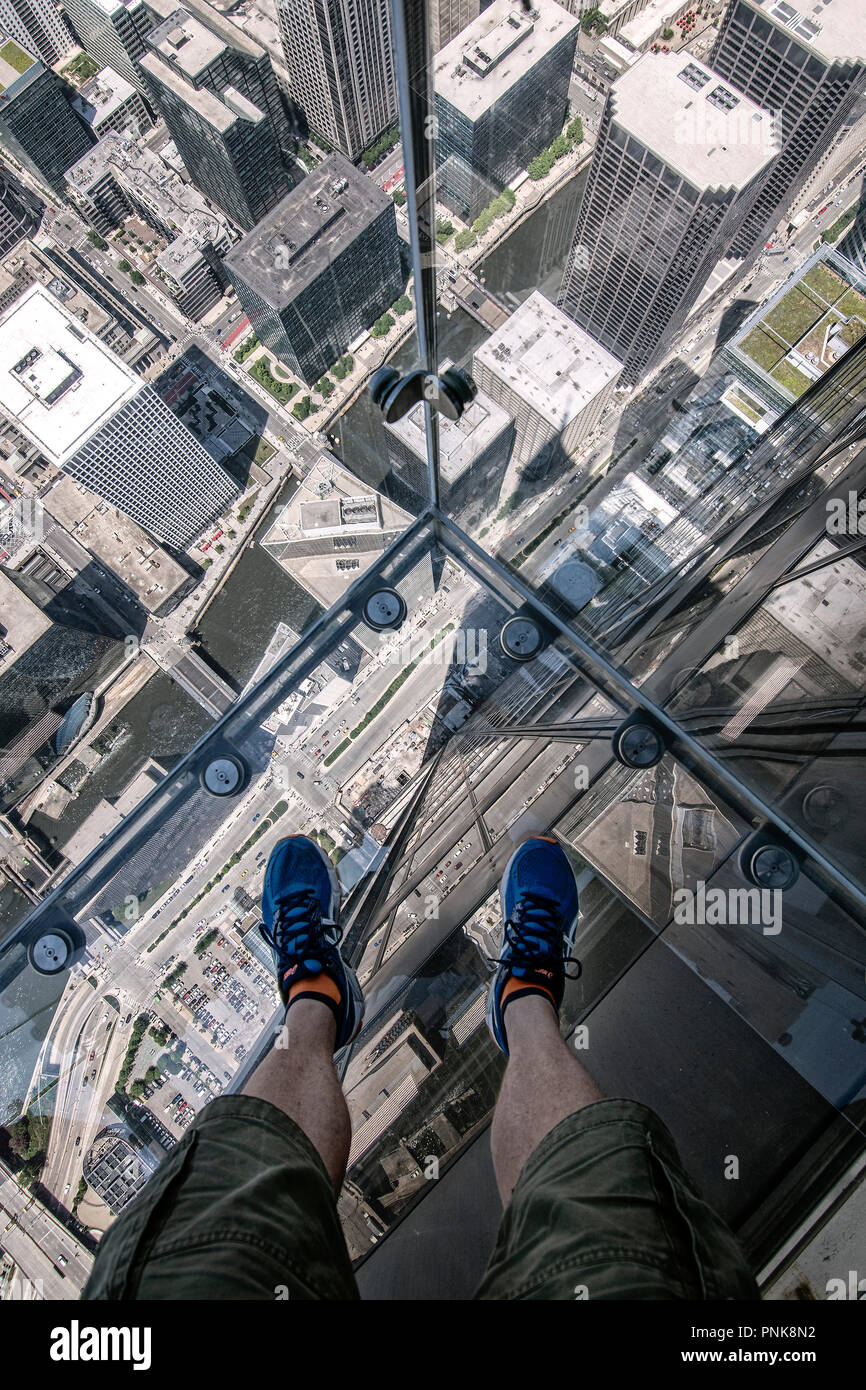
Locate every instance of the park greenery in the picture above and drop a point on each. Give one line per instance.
(343, 366)
(281, 391)
(444, 229)
(124, 266)
(302, 408)
(325, 387)
(594, 22)
(246, 507)
(497, 208)
(541, 165)
(28, 1140)
(834, 232)
(401, 305)
(138, 1030)
(399, 197)
(96, 240)
(82, 68)
(382, 326)
(246, 349)
(206, 941)
(385, 143)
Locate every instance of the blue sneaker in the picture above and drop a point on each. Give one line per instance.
(300, 907)
(539, 913)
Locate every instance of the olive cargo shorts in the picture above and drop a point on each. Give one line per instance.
(242, 1208)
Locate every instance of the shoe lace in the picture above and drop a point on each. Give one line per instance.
(528, 931)
(298, 925)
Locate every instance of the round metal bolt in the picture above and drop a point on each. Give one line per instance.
(774, 867)
(384, 609)
(521, 638)
(50, 953)
(223, 775)
(639, 746)
(825, 807)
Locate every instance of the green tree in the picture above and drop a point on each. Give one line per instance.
(124, 266)
(382, 326)
(302, 408)
(574, 130)
(399, 197)
(403, 303)
(668, 34)
(96, 240)
(465, 239)
(136, 277)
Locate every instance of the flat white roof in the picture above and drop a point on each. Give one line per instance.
(57, 380)
(496, 50)
(834, 29)
(461, 441)
(702, 127)
(548, 361)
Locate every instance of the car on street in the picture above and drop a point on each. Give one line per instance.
(257, 816)
(301, 775)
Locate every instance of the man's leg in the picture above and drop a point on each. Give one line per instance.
(544, 1082)
(598, 1205)
(244, 1206)
(301, 1081)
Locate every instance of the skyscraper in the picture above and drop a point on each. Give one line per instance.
(320, 268)
(92, 417)
(474, 453)
(20, 211)
(38, 26)
(113, 32)
(212, 54)
(448, 17)
(228, 144)
(339, 59)
(807, 63)
(676, 167)
(505, 65)
(37, 124)
(551, 377)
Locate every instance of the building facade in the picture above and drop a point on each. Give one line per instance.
(93, 418)
(807, 64)
(339, 58)
(486, 80)
(320, 268)
(20, 212)
(677, 165)
(227, 144)
(113, 32)
(38, 126)
(38, 26)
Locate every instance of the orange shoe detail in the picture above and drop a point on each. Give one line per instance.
(513, 985)
(317, 984)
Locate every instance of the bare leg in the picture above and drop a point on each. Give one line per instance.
(543, 1083)
(300, 1080)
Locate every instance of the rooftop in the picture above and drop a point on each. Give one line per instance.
(308, 230)
(209, 107)
(546, 359)
(102, 96)
(460, 441)
(679, 109)
(812, 321)
(185, 42)
(208, 17)
(116, 540)
(14, 63)
(644, 26)
(497, 50)
(833, 29)
(21, 620)
(177, 203)
(57, 380)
